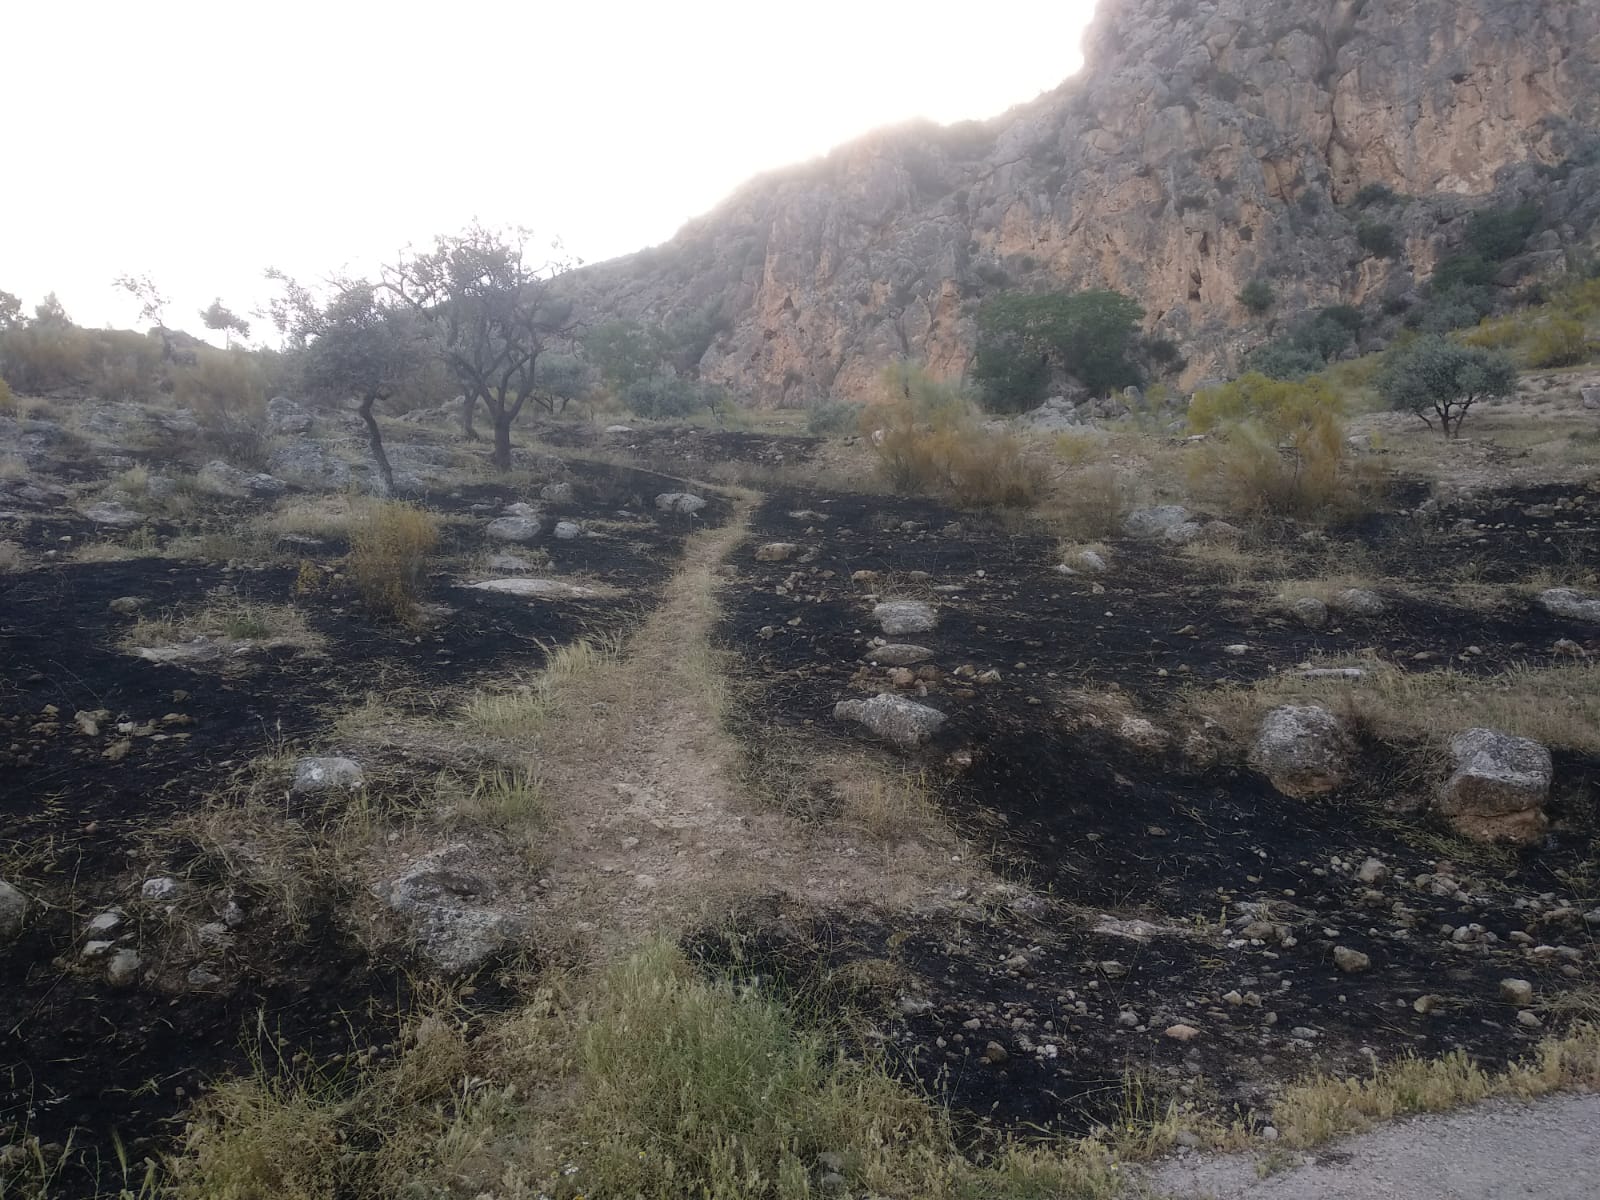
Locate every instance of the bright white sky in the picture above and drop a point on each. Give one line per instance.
(202, 142)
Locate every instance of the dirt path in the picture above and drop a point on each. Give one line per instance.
(655, 830)
(1547, 1150)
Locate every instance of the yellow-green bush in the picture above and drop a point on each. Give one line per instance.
(8, 402)
(1559, 342)
(927, 440)
(1275, 445)
(390, 545)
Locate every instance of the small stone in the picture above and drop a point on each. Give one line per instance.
(1181, 1032)
(1529, 1019)
(96, 948)
(1128, 1019)
(104, 923)
(1425, 1004)
(126, 605)
(326, 774)
(1350, 961)
(1360, 602)
(13, 909)
(899, 617)
(161, 887)
(776, 552)
(898, 654)
(1516, 991)
(513, 529)
(894, 718)
(679, 502)
(1372, 871)
(123, 968)
(1310, 612)
(567, 531)
(994, 1052)
(1233, 998)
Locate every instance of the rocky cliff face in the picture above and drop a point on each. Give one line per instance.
(1206, 143)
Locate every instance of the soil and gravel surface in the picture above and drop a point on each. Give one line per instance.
(1492, 1152)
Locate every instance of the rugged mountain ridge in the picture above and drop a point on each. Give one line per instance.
(1203, 145)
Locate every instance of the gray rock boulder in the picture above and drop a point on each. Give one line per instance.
(13, 910)
(1055, 415)
(122, 968)
(680, 502)
(899, 617)
(1158, 522)
(285, 417)
(895, 719)
(310, 465)
(113, 515)
(568, 531)
(514, 529)
(898, 654)
(1303, 749)
(225, 479)
(1083, 562)
(446, 898)
(1590, 398)
(1498, 788)
(327, 774)
(557, 493)
(1359, 602)
(1570, 603)
(1310, 612)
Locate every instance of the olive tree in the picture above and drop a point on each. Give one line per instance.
(220, 319)
(1436, 376)
(359, 346)
(494, 315)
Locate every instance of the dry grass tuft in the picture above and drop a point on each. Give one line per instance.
(1092, 504)
(1559, 706)
(390, 545)
(1316, 1110)
(521, 715)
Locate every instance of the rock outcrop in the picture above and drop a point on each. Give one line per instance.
(1498, 789)
(1204, 145)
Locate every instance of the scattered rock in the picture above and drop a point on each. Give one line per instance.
(900, 617)
(995, 1053)
(203, 977)
(1084, 562)
(538, 589)
(1498, 789)
(1570, 603)
(1158, 521)
(1351, 962)
(1181, 1032)
(894, 718)
(126, 605)
(284, 416)
(776, 552)
(1359, 602)
(1516, 991)
(1589, 397)
(1425, 1004)
(567, 531)
(442, 894)
(679, 502)
(1372, 871)
(1310, 612)
(104, 923)
(122, 968)
(161, 887)
(13, 910)
(1303, 749)
(310, 465)
(224, 479)
(113, 515)
(514, 529)
(327, 775)
(898, 654)
(557, 493)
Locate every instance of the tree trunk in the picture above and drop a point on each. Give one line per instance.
(375, 441)
(501, 458)
(469, 403)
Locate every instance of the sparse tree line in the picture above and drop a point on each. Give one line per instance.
(474, 315)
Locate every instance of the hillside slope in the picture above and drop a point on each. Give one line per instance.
(1205, 144)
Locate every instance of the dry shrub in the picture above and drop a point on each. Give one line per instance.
(1276, 446)
(390, 545)
(1093, 504)
(8, 401)
(231, 383)
(927, 440)
(1558, 343)
(111, 364)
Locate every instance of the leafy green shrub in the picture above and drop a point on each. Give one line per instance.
(1454, 308)
(833, 418)
(1275, 446)
(1022, 339)
(1461, 270)
(1309, 346)
(1433, 375)
(1257, 296)
(1559, 342)
(1496, 234)
(663, 397)
(1378, 238)
(390, 545)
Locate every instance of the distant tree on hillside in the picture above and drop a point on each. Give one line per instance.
(10, 312)
(494, 315)
(152, 307)
(51, 314)
(1257, 296)
(1435, 375)
(360, 346)
(623, 352)
(220, 320)
(1092, 336)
